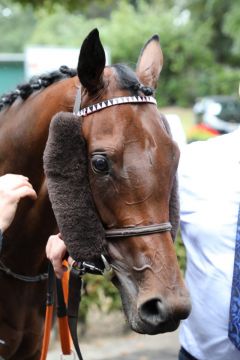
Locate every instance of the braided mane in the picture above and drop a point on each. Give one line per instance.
(126, 77)
(36, 83)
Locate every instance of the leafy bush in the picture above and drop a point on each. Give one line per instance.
(189, 67)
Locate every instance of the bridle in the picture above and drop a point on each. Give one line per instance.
(138, 230)
(78, 269)
(133, 230)
(25, 278)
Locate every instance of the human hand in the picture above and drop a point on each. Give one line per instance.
(12, 189)
(56, 251)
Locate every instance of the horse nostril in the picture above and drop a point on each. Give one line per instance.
(153, 311)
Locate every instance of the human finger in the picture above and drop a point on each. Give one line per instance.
(58, 267)
(12, 181)
(25, 191)
(55, 251)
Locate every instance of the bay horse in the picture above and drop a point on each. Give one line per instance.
(132, 168)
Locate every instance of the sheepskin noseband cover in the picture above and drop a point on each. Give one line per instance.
(66, 168)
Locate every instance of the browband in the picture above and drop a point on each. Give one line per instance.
(115, 101)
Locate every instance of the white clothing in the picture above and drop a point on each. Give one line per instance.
(209, 185)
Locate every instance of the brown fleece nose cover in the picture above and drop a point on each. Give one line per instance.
(66, 167)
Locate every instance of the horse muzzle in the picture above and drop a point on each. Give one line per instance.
(157, 315)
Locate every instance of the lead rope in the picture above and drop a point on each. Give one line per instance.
(62, 320)
(49, 312)
(74, 299)
(75, 287)
(61, 314)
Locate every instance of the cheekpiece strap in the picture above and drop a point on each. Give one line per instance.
(115, 101)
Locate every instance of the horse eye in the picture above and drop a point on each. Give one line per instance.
(100, 164)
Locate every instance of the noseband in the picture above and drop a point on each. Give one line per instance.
(138, 230)
(134, 230)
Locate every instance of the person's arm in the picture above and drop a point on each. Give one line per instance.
(12, 189)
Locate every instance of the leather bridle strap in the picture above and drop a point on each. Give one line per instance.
(25, 278)
(138, 230)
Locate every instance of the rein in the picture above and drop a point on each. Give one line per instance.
(25, 278)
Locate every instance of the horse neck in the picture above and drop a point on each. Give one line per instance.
(24, 130)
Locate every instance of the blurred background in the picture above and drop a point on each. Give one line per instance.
(198, 87)
(200, 40)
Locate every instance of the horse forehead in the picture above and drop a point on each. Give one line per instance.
(129, 128)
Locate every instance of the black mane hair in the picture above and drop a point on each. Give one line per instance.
(36, 83)
(126, 77)
(128, 80)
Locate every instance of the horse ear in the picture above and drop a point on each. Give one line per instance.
(91, 62)
(150, 63)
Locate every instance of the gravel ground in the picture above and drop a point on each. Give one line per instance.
(108, 337)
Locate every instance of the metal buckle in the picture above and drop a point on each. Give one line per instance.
(82, 268)
(108, 270)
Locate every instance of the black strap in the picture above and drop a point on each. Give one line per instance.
(61, 305)
(74, 298)
(50, 285)
(1, 239)
(186, 355)
(25, 278)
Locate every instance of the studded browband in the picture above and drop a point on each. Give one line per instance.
(116, 101)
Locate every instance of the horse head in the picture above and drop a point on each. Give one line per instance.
(130, 162)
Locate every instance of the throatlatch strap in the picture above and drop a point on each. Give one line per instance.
(74, 298)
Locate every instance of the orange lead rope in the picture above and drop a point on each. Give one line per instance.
(61, 313)
(49, 312)
(62, 320)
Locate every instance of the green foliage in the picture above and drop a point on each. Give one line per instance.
(194, 45)
(16, 26)
(185, 50)
(100, 292)
(68, 5)
(225, 31)
(232, 29)
(181, 253)
(61, 29)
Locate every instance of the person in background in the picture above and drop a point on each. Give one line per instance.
(12, 189)
(209, 188)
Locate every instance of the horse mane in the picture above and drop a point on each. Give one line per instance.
(36, 83)
(126, 77)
